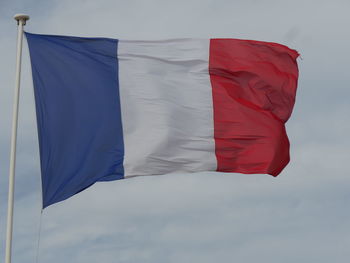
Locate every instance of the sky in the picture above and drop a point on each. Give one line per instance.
(301, 216)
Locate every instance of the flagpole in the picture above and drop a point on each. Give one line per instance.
(21, 21)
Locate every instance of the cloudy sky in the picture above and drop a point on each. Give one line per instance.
(301, 216)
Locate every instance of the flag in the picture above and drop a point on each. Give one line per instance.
(110, 109)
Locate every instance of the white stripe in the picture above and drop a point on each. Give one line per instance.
(167, 107)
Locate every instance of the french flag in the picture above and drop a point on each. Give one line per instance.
(109, 109)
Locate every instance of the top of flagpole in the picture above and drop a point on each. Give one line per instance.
(21, 17)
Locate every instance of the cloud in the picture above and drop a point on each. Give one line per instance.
(300, 216)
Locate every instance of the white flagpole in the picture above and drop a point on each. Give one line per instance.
(21, 21)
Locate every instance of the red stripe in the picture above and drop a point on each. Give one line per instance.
(254, 85)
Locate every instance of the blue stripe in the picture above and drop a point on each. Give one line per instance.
(78, 113)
